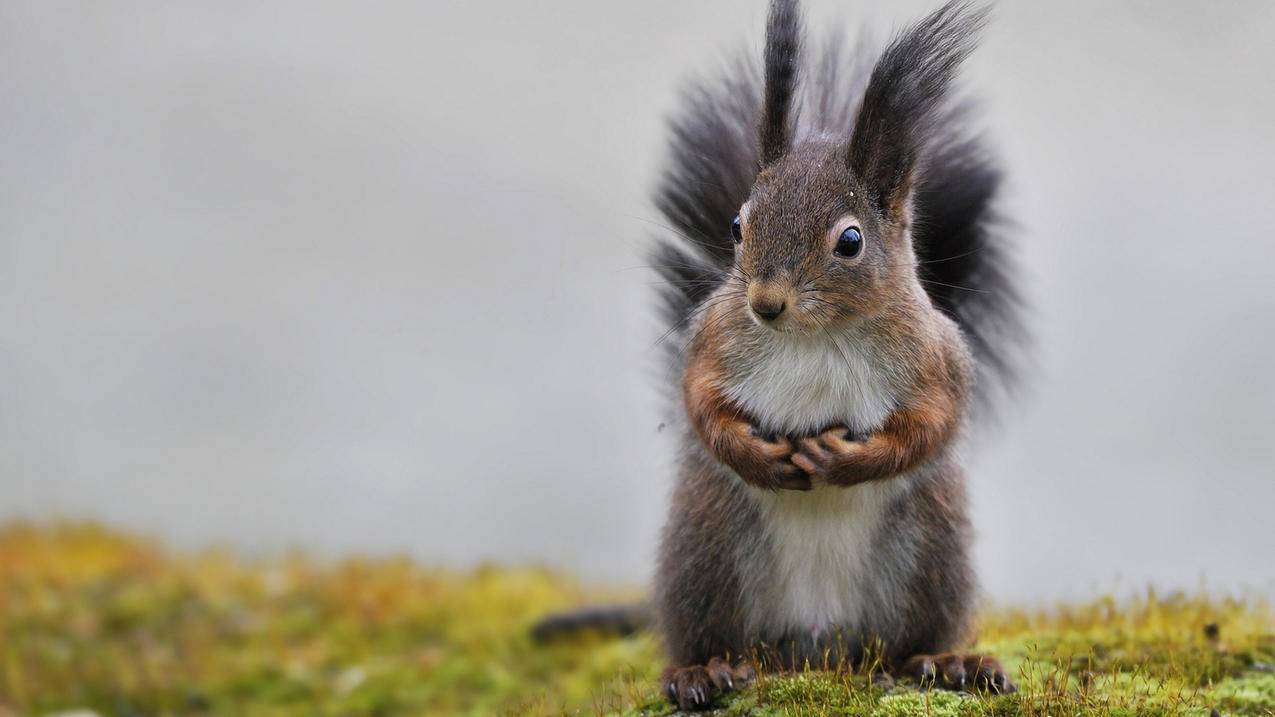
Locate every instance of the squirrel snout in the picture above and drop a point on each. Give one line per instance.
(766, 302)
(768, 311)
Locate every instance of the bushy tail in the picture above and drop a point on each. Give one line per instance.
(610, 620)
(965, 259)
(730, 125)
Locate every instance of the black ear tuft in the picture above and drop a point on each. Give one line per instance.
(906, 95)
(782, 58)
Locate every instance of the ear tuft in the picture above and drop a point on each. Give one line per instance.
(782, 64)
(906, 95)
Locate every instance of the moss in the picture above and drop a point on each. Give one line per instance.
(92, 619)
(1249, 694)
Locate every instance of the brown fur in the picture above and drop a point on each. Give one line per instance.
(730, 435)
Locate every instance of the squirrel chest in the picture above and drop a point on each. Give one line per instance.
(800, 385)
(819, 573)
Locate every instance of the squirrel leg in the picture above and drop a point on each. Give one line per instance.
(956, 671)
(760, 460)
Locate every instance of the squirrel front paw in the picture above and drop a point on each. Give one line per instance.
(765, 461)
(833, 456)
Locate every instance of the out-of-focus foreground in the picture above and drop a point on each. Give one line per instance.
(95, 620)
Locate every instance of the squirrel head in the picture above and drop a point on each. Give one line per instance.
(813, 248)
(824, 235)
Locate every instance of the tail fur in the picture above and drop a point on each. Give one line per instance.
(618, 620)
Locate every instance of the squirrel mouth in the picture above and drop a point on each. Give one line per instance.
(785, 326)
(779, 325)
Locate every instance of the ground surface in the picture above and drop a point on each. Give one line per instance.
(92, 620)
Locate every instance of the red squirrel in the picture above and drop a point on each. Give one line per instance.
(838, 285)
(837, 289)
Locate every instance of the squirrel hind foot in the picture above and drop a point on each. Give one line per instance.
(694, 687)
(955, 671)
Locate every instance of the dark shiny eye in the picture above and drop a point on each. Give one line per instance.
(850, 243)
(736, 230)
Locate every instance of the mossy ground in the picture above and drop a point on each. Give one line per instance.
(94, 620)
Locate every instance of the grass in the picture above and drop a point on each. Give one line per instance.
(94, 620)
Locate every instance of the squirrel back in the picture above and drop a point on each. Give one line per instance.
(718, 149)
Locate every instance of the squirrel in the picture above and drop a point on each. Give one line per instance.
(839, 295)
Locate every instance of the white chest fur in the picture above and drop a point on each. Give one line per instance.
(821, 573)
(818, 574)
(803, 384)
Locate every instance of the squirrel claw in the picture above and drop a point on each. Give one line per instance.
(951, 671)
(693, 688)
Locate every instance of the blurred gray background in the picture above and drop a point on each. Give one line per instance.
(361, 278)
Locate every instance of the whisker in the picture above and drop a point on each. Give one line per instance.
(657, 267)
(845, 359)
(975, 250)
(686, 282)
(707, 243)
(700, 309)
(706, 326)
(955, 286)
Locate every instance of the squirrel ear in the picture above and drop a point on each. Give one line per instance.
(906, 95)
(782, 58)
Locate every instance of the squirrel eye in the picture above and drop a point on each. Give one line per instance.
(736, 230)
(850, 243)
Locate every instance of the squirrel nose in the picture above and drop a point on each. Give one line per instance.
(767, 309)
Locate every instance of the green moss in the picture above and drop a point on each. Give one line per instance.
(1249, 694)
(91, 619)
(924, 704)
